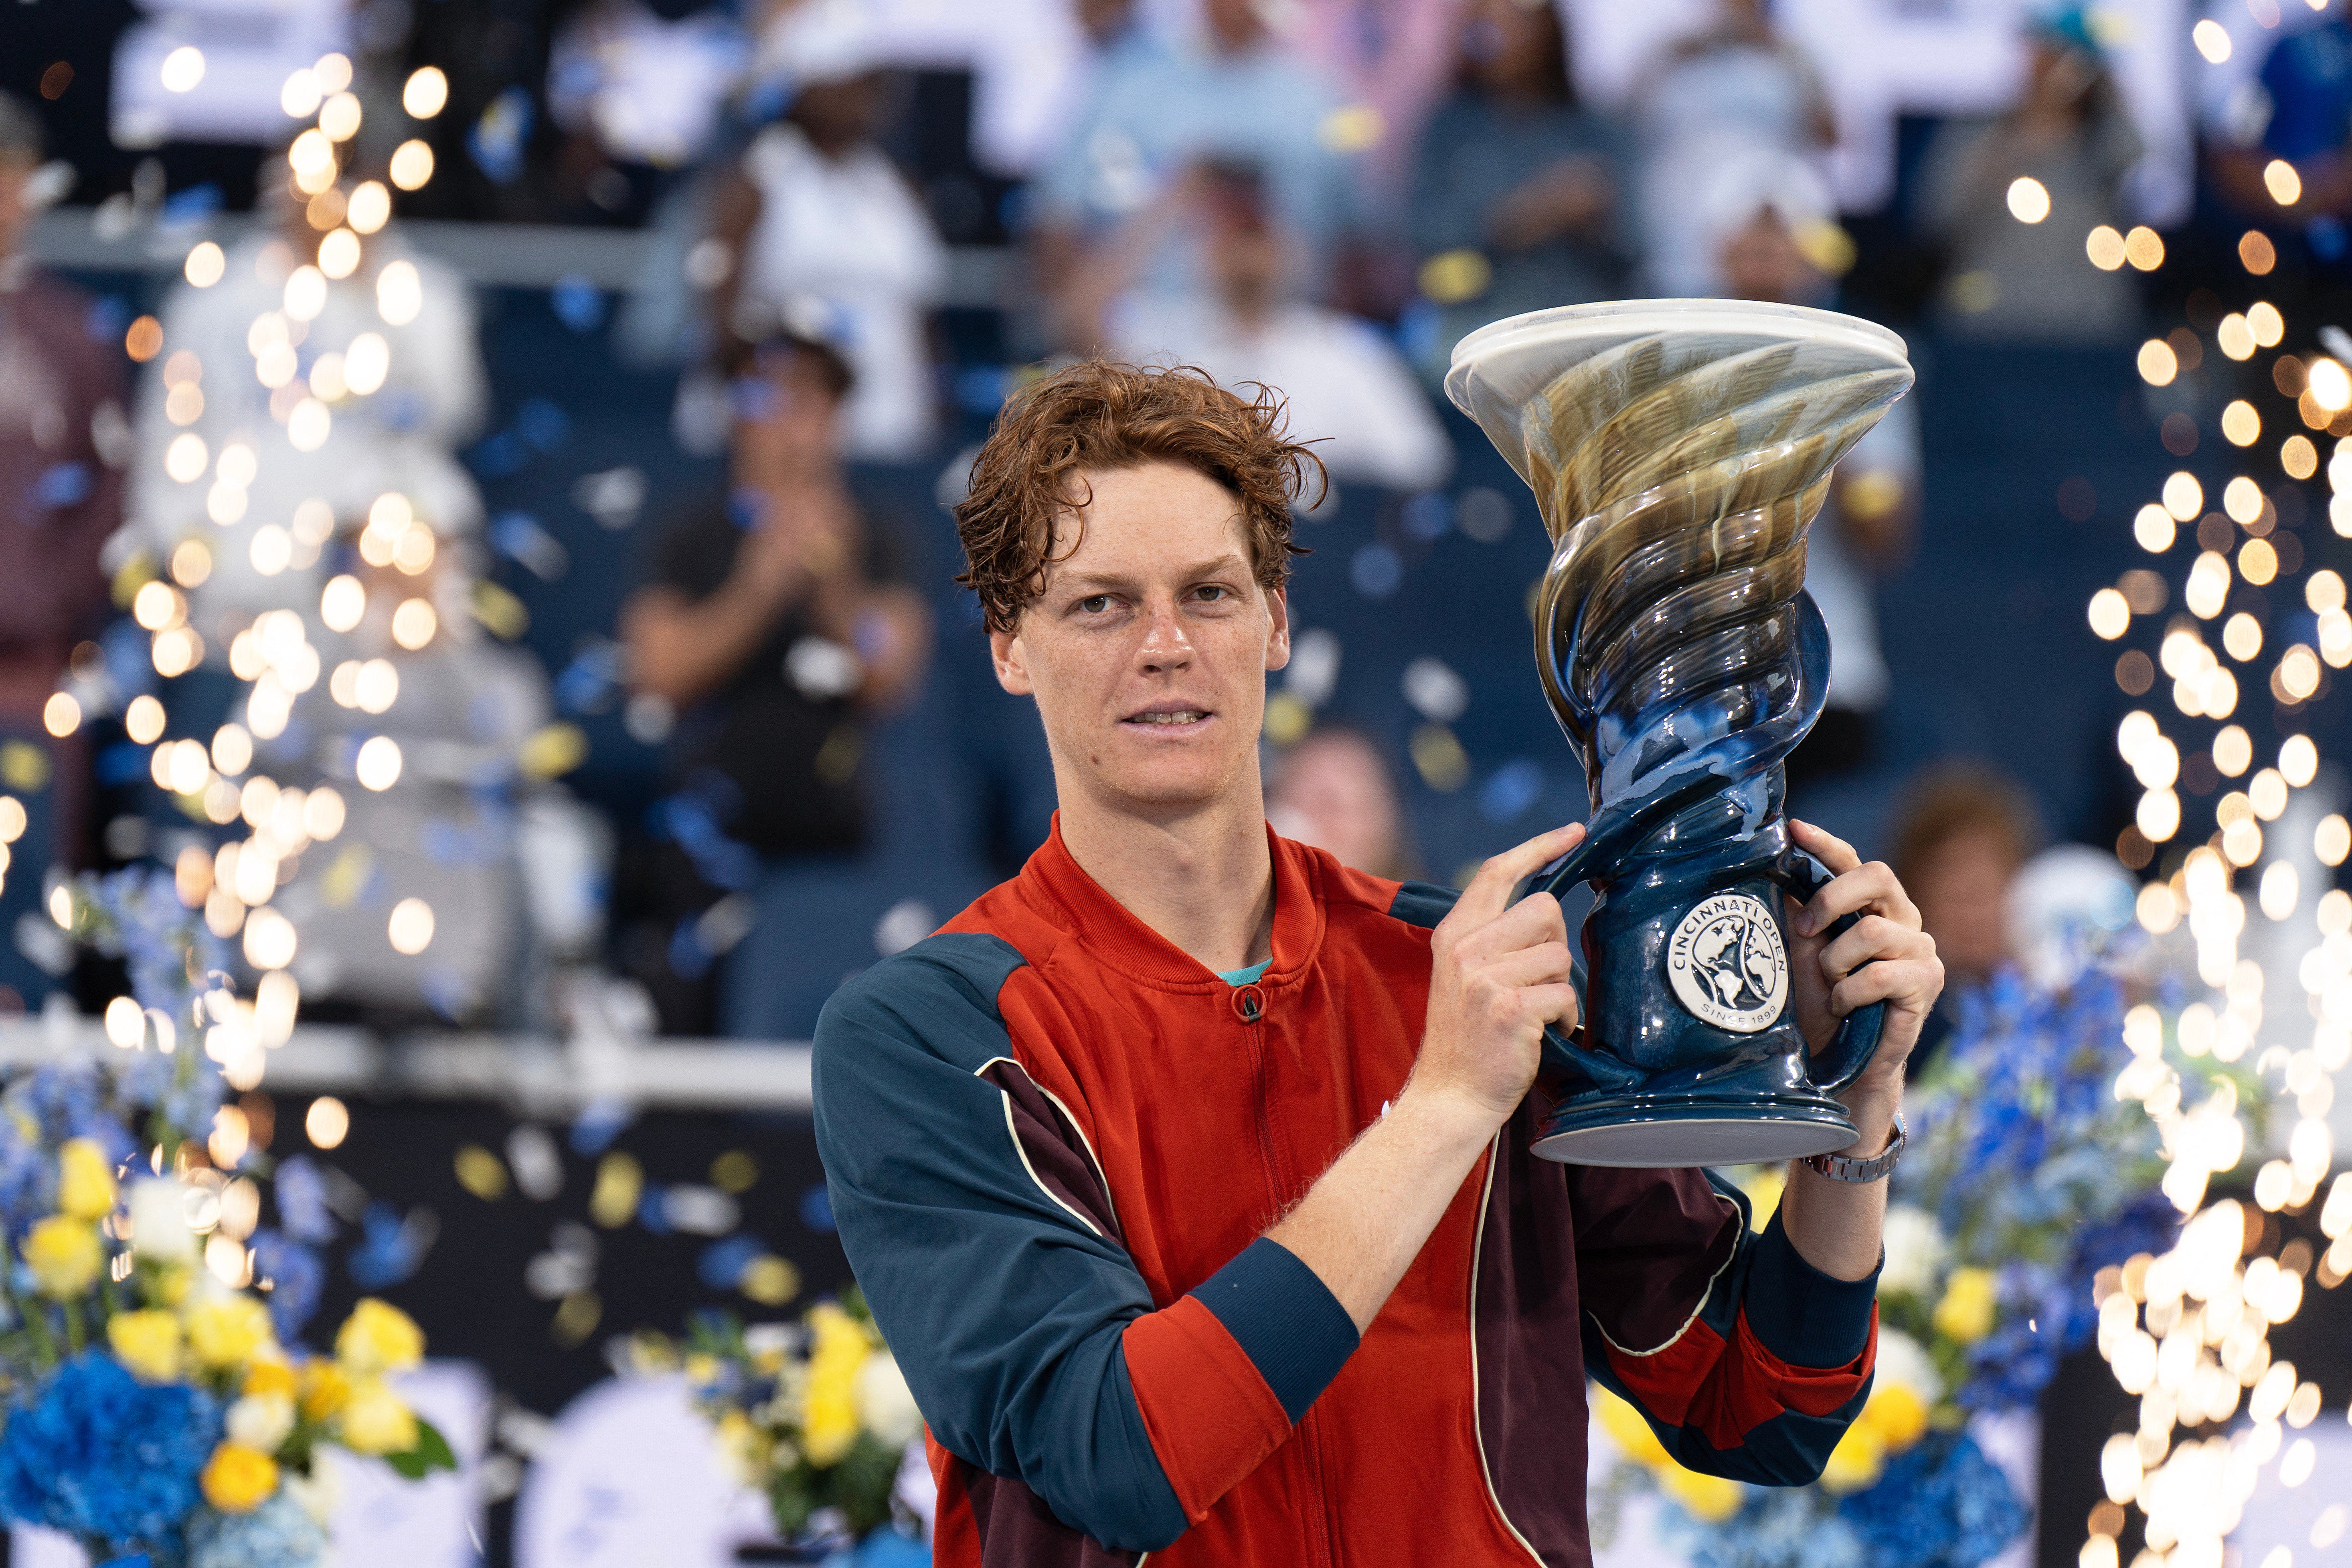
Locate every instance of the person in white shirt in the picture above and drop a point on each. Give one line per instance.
(1349, 387)
(828, 240)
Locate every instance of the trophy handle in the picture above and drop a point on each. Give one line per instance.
(1856, 1040)
(1564, 1056)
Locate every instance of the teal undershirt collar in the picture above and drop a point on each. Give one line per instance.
(1239, 977)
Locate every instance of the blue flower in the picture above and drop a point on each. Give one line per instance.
(295, 1276)
(302, 1192)
(280, 1533)
(1776, 1528)
(105, 1458)
(1940, 1504)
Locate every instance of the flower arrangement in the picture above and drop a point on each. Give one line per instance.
(155, 1411)
(814, 1415)
(2027, 1174)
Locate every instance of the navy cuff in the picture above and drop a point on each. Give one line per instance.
(1800, 1313)
(1285, 1319)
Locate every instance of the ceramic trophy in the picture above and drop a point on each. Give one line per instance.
(1678, 450)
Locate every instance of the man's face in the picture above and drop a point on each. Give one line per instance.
(1147, 650)
(785, 416)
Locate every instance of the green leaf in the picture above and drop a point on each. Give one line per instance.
(431, 1453)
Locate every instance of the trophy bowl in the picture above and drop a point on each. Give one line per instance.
(1678, 450)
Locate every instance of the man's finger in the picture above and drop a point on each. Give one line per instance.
(1825, 846)
(1548, 965)
(1873, 939)
(1490, 889)
(1873, 887)
(1910, 984)
(1533, 919)
(1553, 1004)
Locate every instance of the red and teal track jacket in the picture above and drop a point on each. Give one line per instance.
(1053, 1142)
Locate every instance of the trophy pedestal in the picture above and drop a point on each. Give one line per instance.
(1644, 1130)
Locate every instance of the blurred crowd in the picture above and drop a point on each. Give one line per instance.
(1323, 196)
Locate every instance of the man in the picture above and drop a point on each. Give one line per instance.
(770, 626)
(62, 435)
(1189, 1172)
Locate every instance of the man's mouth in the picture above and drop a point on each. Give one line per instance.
(1169, 718)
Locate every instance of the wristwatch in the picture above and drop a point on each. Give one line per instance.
(1839, 1168)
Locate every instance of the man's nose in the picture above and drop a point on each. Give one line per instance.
(1166, 644)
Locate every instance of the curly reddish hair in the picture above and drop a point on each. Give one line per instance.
(1101, 416)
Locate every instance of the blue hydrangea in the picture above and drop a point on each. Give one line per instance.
(280, 1533)
(1775, 1527)
(296, 1278)
(106, 1458)
(300, 1188)
(1940, 1504)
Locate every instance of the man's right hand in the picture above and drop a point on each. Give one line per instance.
(1498, 973)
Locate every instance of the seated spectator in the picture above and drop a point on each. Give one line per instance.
(300, 407)
(1347, 387)
(1737, 88)
(62, 442)
(828, 239)
(1767, 216)
(2027, 281)
(2301, 111)
(771, 622)
(1960, 835)
(1335, 791)
(1515, 202)
(1237, 95)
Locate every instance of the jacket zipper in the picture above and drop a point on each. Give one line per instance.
(1308, 1439)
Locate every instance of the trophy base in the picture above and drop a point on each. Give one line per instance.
(1603, 1128)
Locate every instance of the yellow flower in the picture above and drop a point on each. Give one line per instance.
(1763, 1184)
(148, 1343)
(239, 1480)
(838, 1349)
(65, 1257)
(1710, 1497)
(325, 1389)
(1627, 1429)
(85, 1180)
(226, 1331)
(268, 1375)
(376, 1421)
(1898, 1416)
(1965, 1314)
(745, 1450)
(1856, 1461)
(378, 1337)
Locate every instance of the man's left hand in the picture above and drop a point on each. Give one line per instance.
(1830, 976)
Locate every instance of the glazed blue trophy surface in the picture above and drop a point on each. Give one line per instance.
(1679, 450)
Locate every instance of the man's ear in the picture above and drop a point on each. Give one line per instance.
(1277, 636)
(1012, 661)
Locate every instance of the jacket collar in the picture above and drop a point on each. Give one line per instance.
(1108, 930)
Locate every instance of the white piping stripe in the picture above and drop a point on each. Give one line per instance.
(1013, 1132)
(1678, 1333)
(1478, 1251)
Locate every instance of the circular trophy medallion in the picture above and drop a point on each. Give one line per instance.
(1727, 965)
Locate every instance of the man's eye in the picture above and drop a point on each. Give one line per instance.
(1095, 605)
(1215, 591)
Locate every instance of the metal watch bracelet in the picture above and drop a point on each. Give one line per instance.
(1840, 1168)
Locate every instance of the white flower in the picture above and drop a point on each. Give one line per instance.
(261, 1421)
(1903, 1362)
(159, 1221)
(319, 1493)
(886, 1407)
(1916, 1250)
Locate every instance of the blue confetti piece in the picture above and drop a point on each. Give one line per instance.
(498, 138)
(64, 485)
(594, 1129)
(519, 536)
(542, 424)
(723, 1262)
(816, 1210)
(578, 303)
(191, 205)
(1515, 786)
(499, 454)
(107, 319)
(1428, 515)
(652, 1212)
(1377, 571)
(393, 1247)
